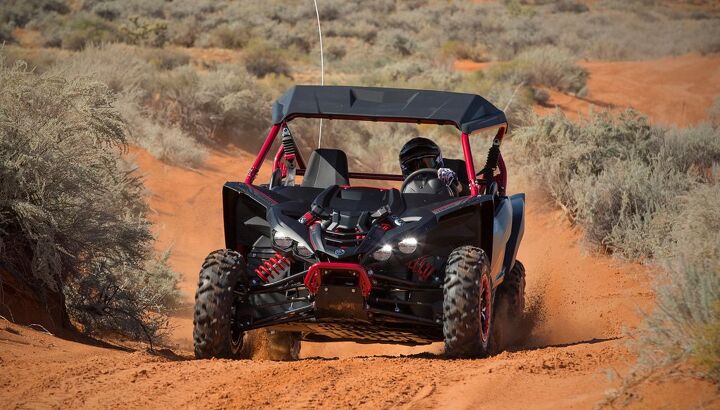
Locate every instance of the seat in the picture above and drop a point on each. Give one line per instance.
(326, 167)
(458, 166)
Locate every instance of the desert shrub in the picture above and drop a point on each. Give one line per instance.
(107, 10)
(224, 103)
(72, 216)
(262, 59)
(164, 58)
(166, 142)
(544, 66)
(116, 65)
(569, 6)
(695, 151)
(227, 36)
(397, 42)
(82, 30)
(541, 96)
(618, 206)
(336, 52)
(183, 32)
(714, 113)
(462, 50)
(37, 60)
(559, 151)
(21, 12)
(6, 34)
(618, 176)
(145, 32)
(413, 74)
(644, 192)
(685, 326)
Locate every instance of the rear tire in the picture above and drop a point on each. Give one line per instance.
(467, 303)
(214, 333)
(509, 308)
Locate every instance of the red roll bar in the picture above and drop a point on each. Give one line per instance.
(501, 179)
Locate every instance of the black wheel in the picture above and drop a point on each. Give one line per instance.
(509, 308)
(467, 303)
(214, 330)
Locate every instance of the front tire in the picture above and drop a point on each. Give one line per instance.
(214, 333)
(467, 303)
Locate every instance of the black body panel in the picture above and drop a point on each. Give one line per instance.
(351, 223)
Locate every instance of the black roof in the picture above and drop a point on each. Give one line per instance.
(467, 112)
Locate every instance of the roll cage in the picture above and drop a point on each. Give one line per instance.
(467, 112)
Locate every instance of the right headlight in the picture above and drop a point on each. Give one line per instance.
(408, 245)
(281, 240)
(383, 253)
(303, 250)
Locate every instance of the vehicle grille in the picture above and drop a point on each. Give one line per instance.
(343, 237)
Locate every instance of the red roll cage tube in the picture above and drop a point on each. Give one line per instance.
(501, 178)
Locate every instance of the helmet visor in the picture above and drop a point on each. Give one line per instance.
(414, 164)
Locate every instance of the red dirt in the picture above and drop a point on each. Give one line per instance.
(585, 299)
(671, 91)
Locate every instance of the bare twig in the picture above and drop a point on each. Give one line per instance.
(34, 325)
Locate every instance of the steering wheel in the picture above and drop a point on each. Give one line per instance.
(425, 181)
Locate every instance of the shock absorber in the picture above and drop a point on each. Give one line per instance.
(423, 267)
(273, 268)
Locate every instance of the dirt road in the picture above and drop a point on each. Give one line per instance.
(586, 300)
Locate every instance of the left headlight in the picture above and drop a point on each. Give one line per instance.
(303, 250)
(282, 240)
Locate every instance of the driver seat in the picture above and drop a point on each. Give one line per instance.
(325, 168)
(458, 166)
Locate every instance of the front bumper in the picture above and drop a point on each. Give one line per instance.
(334, 301)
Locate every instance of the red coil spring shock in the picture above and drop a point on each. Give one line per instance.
(273, 267)
(423, 267)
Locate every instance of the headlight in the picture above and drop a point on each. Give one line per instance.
(408, 245)
(281, 240)
(303, 250)
(383, 253)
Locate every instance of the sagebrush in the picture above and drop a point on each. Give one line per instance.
(72, 212)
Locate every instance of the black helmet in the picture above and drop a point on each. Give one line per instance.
(419, 153)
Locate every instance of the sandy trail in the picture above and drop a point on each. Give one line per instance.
(586, 300)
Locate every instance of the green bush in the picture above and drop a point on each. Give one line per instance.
(72, 215)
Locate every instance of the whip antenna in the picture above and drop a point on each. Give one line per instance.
(322, 64)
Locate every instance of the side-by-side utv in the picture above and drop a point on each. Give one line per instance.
(326, 260)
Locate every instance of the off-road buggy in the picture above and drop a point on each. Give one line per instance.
(326, 260)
